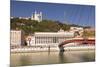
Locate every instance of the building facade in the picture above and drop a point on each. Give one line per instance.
(48, 38)
(26, 18)
(17, 38)
(77, 30)
(37, 16)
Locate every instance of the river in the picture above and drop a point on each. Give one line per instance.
(25, 59)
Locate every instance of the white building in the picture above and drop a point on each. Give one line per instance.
(37, 16)
(49, 38)
(27, 18)
(77, 29)
(11, 17)
(16, 38)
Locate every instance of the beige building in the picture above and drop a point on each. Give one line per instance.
(16, 38)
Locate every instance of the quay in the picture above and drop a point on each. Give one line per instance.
(51, 49)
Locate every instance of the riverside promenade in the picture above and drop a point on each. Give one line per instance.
(51, 49)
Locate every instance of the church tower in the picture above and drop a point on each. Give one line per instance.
(32, 17)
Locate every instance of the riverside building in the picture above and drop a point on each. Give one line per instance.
(16, 38)
(48, 38)
(78, 31)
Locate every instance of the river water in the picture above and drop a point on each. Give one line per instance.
(25, 59)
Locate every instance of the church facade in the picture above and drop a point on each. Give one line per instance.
(37, 16)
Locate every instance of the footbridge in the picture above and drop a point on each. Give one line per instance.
(81, 41)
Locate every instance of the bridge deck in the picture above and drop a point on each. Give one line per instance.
(81, 41)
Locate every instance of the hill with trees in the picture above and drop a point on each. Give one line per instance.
(31, 26)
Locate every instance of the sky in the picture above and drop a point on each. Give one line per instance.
(67, 13)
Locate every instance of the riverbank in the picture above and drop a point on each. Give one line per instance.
(51, 49)
(22, 59)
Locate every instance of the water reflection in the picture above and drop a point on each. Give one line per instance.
(22, 59)
(88, 57)
(61, 57)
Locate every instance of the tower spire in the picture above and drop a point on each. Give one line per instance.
(35, 12)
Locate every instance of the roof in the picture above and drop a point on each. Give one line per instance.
(54, 34)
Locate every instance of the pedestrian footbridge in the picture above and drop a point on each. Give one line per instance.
(80, 41)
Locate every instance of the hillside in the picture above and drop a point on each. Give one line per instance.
(31, 26)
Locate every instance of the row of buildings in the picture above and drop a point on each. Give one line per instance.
(43, 38)
(37, 16)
